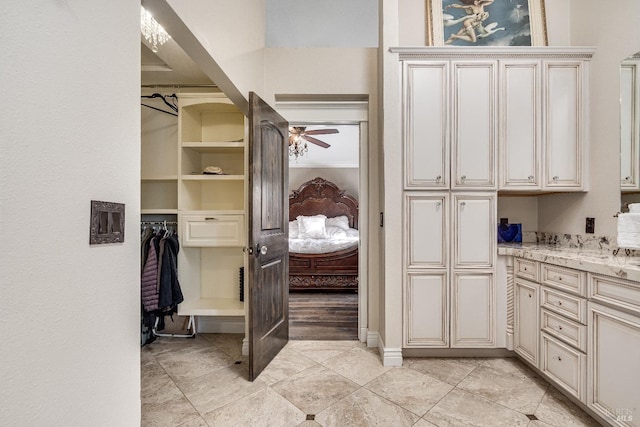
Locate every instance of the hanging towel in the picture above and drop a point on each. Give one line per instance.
(634, 207)
(629, 230)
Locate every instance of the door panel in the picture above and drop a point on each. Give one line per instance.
(268, 230)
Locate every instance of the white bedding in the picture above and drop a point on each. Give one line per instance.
(333, 236)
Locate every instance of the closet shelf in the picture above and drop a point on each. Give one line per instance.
(212, 307)
(204, 145)
(159, 211)
(160, 178)
(213, 177)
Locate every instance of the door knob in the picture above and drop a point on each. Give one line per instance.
(261, 250)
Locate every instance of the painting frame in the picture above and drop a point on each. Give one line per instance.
(439, 34)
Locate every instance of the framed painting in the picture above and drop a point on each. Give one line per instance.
(486, 23)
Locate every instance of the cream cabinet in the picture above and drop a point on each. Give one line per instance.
(212, 165)
(473, 124)
(544, 124)
(426, 313)
(426, 124)
(614, 349)
(526, 323)
(449, 124)
(518, 113)
(449, 281)
(474, 225)
(565, 119)
(473, 309)
(520, 125)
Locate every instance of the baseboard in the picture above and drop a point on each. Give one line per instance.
(389, 356)
(220, 325)
(457, 352)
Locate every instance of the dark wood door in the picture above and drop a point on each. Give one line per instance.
(268, 234)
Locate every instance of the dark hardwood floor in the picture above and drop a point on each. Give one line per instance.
(323, 316)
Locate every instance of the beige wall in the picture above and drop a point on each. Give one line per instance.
(70, 132)
(347, 179)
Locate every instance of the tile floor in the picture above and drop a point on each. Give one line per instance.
(202, 382)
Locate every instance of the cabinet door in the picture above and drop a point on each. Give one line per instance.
(427, 222)
(520, 125)
(526, 331)
(473, 310)
(425, 124)
(474, 227)
(629, 126)
(614, 353)
(564, 123)
(474, 124)
(426, 314)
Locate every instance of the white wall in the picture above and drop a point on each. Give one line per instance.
(233, 32)
(615, 31)
(346, 179)
(70, 132)
(327, 23)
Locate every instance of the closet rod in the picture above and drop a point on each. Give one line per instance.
(158, 222)
(180, 86)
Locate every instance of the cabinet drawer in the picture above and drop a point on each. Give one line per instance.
(565, 365)
(567, 330)
(213, 230)
(624, 294)
(526, 269)
(568, 305)
(572, 281)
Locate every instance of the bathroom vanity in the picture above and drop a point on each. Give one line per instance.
(574, 316)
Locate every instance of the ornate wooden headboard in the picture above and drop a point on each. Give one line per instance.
(320, 196)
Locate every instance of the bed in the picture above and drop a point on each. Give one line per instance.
(323, 259)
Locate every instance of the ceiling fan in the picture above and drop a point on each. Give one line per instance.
(298, 133)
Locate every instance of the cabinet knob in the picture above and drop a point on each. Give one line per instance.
(463, 178)
(462, 204)
(559, 302)
(438, 178)
(628, 179)
(555, 178)
(559, 359)
(529, 295)
(559, 327)
(438, 204)
(524, 268)
(530, 178)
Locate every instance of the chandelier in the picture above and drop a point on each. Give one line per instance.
(152, 31)
(297, 145)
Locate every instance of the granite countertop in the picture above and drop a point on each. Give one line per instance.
(591, 260)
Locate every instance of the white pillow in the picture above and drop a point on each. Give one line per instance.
(338, 221)
(312, 227)
(294, 231)
(335, 233)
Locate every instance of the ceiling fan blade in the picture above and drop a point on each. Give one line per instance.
(321, 131)
(316, 141)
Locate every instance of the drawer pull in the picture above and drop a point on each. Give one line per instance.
(524, 268)
(211, 219)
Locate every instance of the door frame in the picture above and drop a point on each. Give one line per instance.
(352, 110)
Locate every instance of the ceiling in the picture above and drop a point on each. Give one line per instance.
(170, 66)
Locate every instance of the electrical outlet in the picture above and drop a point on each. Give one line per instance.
(590, 226)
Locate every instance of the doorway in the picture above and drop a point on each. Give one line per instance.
(323, 262)
(334, 314)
